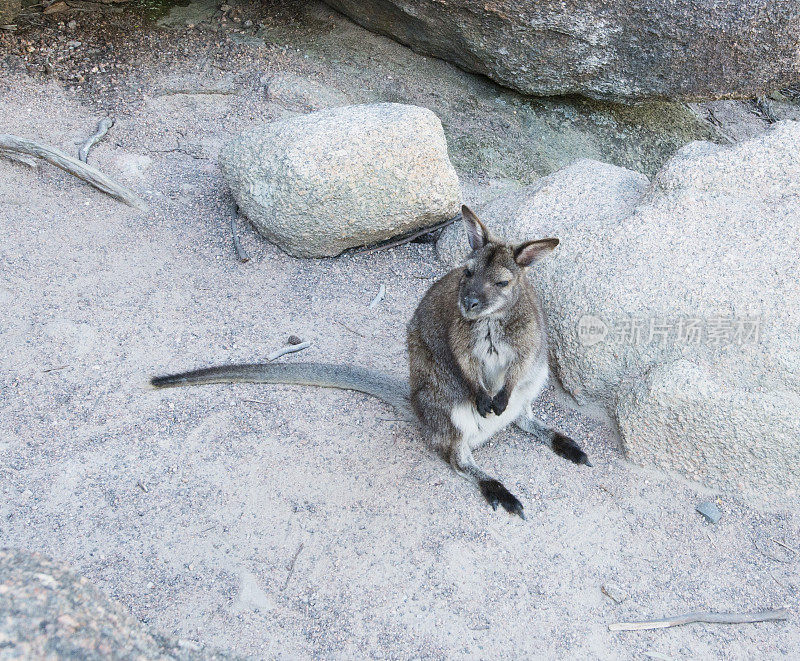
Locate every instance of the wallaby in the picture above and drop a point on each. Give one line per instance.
(477, 355)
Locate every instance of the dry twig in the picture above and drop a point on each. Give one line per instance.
(290, 566)
(407, 239)
(290, 349)
(784, 545)
(208, 91)
(345, 326)
(241, 253)
(378, 298)
(97, 136)
(709, 618)
(16, 146)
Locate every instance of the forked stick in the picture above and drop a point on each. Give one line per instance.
(16, 146)
(710, 618)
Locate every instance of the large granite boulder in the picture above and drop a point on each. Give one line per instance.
(682, 315)
(49, 612)
(605, 49)
(321, 183)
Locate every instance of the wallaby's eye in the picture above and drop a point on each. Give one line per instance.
(503, 283)
(468, 272)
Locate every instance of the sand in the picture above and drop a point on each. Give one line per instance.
(290, 522)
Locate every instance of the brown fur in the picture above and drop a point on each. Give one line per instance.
(474, 317)
(477, 357)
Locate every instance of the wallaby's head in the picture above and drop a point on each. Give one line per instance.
(495, 271)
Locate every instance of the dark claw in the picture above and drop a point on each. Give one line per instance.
(496, 494)
(500, 401)
(565, 447)
(483, 403)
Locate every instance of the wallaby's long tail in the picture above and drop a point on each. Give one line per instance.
(391, 390)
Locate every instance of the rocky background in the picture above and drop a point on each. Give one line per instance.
(280, 521)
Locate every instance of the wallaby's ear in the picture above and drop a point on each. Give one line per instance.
(477, 233)
(525, 253)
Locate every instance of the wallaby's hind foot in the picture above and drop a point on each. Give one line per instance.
(493, 490)
(496, 494)
(562, 445)
(565, 447)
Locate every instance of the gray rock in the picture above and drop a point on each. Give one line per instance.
(600, 190)
(302, 94)
(492, 133)
(725, 430)
(696, 310)
(48, 611)
(612, 50)
(710, 511)
(321, 183)
(9, 10)
(682, 314)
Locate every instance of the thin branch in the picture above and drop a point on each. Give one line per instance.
(407, 239)
(196, 153)
(241, 253)
(769, 555)
(290, 349)
(15, 145)
(345, 326)
(378, 298)
(784, 545)
(221, 91)
(97, 136)
(709, 618)
(290, 566)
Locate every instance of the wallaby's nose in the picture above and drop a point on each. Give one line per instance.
(471, 303)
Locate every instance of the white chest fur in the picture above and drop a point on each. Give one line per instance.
(475, 429)
(493, 354)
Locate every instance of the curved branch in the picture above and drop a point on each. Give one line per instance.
(710, 618)
(16, 146)
(92, 140)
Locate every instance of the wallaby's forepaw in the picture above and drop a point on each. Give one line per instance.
(500, 401)
(565, 447)
(496, 494)
(483, 403)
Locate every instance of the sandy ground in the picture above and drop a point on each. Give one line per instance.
(289, 522)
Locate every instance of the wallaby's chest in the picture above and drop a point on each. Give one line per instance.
(493, 353)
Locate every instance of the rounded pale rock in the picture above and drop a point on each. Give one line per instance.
(318, 184)
(601, 191)
(682, 317)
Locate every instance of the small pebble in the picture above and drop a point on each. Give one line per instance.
(710, 511)
(293, 339)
